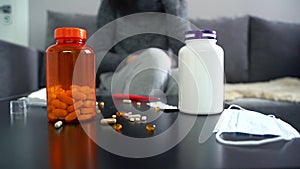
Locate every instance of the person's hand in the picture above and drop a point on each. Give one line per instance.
(131, 58)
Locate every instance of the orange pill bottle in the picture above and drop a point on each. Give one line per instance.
(70, 77)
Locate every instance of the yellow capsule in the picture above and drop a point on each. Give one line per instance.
(101, 104)
(120, 114)
(157, 109)
(118, 126)
(150, 128)
(98, 111)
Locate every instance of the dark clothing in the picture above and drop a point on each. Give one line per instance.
(111, 10)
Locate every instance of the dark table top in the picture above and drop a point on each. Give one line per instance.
(180, 141)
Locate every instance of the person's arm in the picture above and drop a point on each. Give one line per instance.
(106, 14)
(176, 29)
(104, 39)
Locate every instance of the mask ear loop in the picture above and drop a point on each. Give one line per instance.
(248, 142)
(236, 106)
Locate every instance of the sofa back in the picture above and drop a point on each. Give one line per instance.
(256, 49)
(232, 36)
(59, 19)
(274, 49)
(19, 69)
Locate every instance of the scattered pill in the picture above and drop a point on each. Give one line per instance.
(98, 111)
(157, 109)
(137, 119)
(118, 126)
(131, 119)
(127, 101)
(126, 115)
(134, 116)
(101, 104)
(114, 116)
(108, 121)
(138, 103)
(120, 114)
(58, 124)
(150, 128)
(144, 118)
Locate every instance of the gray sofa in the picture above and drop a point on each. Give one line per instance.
(255, 50)
(19, 69)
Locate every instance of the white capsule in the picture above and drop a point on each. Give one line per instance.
(114, 116)
(144, 118)
(131, 119)
(127, 101)
(138, 103)
(108, 121)
(137, 119)
(134, 116)
(58, 124)
(126, 115)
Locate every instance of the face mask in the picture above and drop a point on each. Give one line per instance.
(254, 128)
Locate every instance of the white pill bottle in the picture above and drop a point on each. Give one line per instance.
(201, 74)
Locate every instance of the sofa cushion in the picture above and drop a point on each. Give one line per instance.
(58, 19)
(232, 35)
(274, 49)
